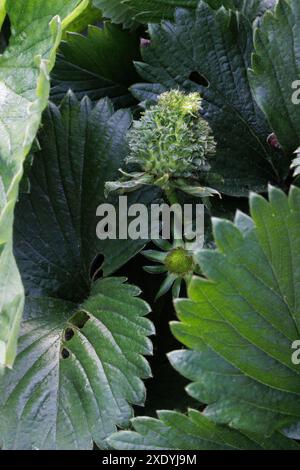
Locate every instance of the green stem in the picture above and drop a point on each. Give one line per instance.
(207, 203)
(177, 232)
(171, 195)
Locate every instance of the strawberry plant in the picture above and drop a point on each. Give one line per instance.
(113, 338)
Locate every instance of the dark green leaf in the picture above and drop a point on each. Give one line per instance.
(117, 11)
(209, 52)
(276, 66)
(80, 360)
(254, 8)
(97, 65)
(83, 146)
(153, 11)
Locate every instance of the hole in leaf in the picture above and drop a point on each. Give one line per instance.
(69, 333)
(95, 269)
(199, 79)
(65, 353)
(80, 319)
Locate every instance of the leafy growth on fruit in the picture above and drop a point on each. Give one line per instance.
(170, 145)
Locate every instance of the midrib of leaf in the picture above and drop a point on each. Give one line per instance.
(75, 13)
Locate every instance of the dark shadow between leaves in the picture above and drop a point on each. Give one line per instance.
(166, 389)
(199, 79)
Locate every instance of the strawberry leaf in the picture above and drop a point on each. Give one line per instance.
(176, 58)
(24, 82)
(80, 360)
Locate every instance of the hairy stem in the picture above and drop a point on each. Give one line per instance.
(177, 225)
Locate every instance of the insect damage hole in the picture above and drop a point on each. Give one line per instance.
(69, 333)
(199, 79)
(65, 354)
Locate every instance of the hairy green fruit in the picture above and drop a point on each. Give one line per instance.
(172, 138)
(170, 146)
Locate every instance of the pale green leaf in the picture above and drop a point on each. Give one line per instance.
(175, 431)
(78, 369)
(241, 322)
(90, 15)
(24, 86)
(2, 11)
